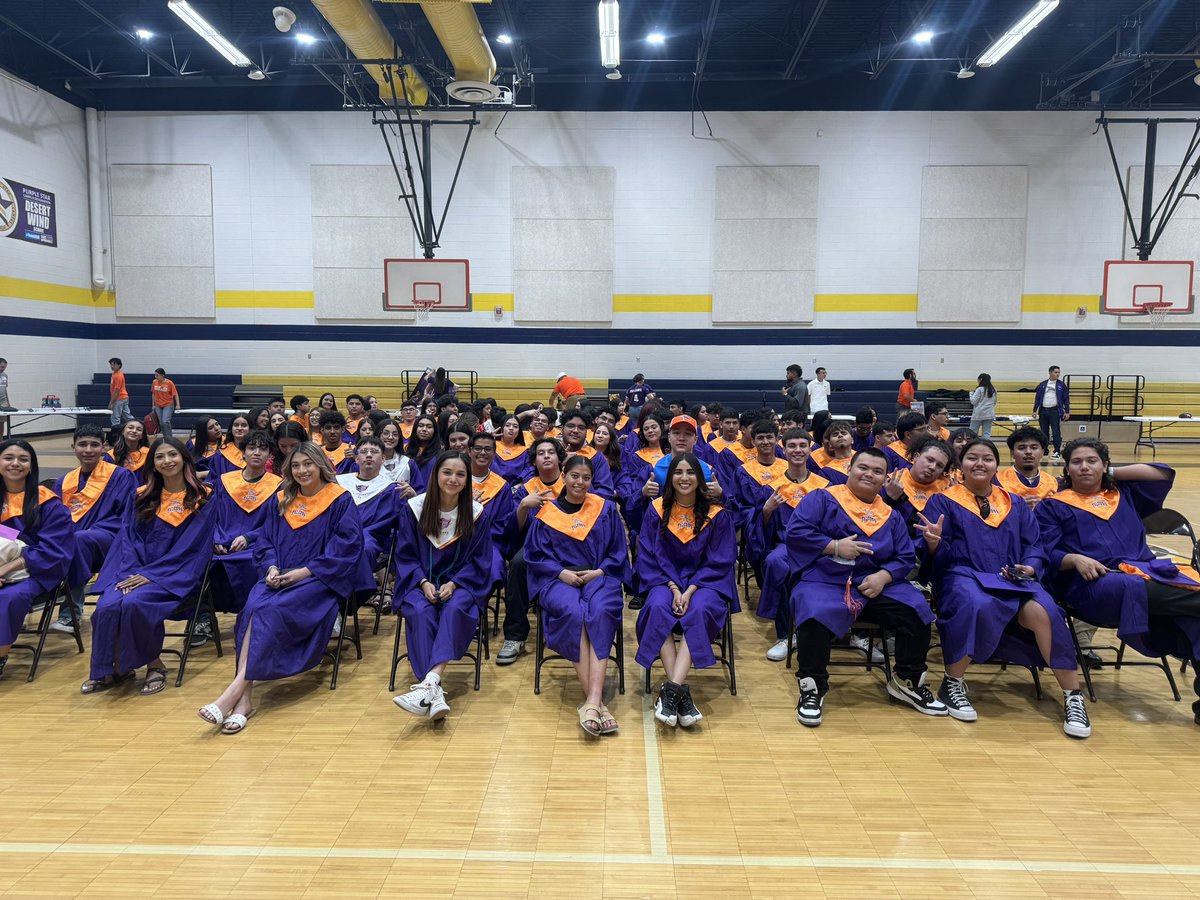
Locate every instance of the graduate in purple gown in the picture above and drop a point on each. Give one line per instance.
(96, 493)
(35, 516)
(908, 490)
(205, 442)
(243, 500)
(1092, 531)
(637, 470)
(376, 496)
(837, 448)
(395, 464)
(511, 462)
(578, 561)
(286, 438)
(910, 429)
(499, 504)
(687, 561)
(760, 469)
(130, 449)
(851, 553)
(864, 423)
(987, 564)
(154, 566)
(309, 554)
(575, 424)
(443, 575)
(231, 457)
(422, 449)
(339, 452)
(771, 507)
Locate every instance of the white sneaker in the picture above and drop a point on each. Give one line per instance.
(438, 707)
(779, 650)
(62, 627)
(417, 701)
(861, 642)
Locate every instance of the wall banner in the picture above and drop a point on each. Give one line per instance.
(27, 213)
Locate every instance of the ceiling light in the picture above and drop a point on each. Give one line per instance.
(1012, 37)
(504, 38)
(256, 75)
(964, 72)
(200, 25)
(614, 75)
(923, 37)
(284, 18)
(144, 34)
(305, 38)
(656, 37)
(610, 34)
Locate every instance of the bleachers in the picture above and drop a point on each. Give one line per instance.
(847, 398)
(196, 391)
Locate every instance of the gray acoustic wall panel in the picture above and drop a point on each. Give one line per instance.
(563, 247)
(765, 244)
(1180, 240)
(972, 255)
(162, 231)
(358, 221)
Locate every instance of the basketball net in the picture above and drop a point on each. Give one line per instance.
(424, 306)
(1156, 313)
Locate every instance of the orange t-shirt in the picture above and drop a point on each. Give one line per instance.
(116, 387)
(569, 387)
(906, 394)
(163, 392)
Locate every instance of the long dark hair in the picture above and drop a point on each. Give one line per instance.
(612, 452)
(428, 522)
(195, 494)
(703, 498)
(444, 425)
(520, 431)
(985, 382)
(286, 430)
(232, 440)
(820, 422)
(1107, 482)
(978, 442)
(120, 449)
(441, 382)
(574, 463)
(31, 513)
(255, 414)
(200, 437)
(414, 449)
(664, 445)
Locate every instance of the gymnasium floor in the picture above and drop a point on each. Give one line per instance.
(342, 794)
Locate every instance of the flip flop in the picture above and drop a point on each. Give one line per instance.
(237, 722)
(211, 713)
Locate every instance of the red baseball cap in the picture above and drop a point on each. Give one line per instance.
(683, 420)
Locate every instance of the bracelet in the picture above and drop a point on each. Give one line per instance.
(837, 547)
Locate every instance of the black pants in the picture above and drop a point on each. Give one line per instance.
(516, 601)
(1050, 421)
(814, 640)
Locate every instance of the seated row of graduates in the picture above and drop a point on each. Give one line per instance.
(575, 562)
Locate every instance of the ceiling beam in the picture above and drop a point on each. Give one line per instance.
(790, 70)
(519, 46)
(895, 48)
(706, 34)
(1103, 39)
(1187, 51)
(141, 45)
(28, 35)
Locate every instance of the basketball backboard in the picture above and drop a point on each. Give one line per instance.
(1133, 287)
(436, 285)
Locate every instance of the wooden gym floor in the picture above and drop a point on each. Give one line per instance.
(341, 794)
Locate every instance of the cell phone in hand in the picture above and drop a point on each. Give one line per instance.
(1015, 575)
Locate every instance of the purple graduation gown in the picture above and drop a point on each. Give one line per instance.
(438, 633)
(765, 546)
(820, 589)
(419, 472)
(597, 606)
(49, 552)
(634, 473)
(515, 470)
(239, 572)
(290, 627)
(219, 464)
(127, 629)
(500, 512)
(708, 560)
(99, 526)
(1117, 599)
(379, 516)
(975, 607)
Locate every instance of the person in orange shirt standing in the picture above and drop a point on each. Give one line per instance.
(165, 398)
(907, 393)
(567, 389)
(118, 397)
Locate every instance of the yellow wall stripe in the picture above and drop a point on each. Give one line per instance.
(644, 303)
(264, 299)
(854, 303)
(1058, 303)
(488, 302)
(24, 289)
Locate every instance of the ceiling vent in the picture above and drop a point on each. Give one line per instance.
(472, 92)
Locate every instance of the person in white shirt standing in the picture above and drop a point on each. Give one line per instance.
(4, 404)
(818, 393)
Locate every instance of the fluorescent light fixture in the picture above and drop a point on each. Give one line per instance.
(923, 37)
(1012, 37)
(200, 25)
(610, 34)
(504, 38)
(143, 34)
(305, 38)
(656, 37)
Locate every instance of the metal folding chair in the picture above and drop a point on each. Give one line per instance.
(724, 654)
(48, 603)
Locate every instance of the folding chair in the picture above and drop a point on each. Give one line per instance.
(493, 605)
(1169, 523)
(1160, 663)
(49, 602)
(482, 647)
(377, 598)
(724, 654)
(201, 602)
(349, 609)
(540, 657)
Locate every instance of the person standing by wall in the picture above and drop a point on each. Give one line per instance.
(983, 407)
(118, 396)
(818, 392)
(5, 404)
(569, 390)
(795, 392)
(165, 398)
(637, 395)
(1052, 406)
(907, 393)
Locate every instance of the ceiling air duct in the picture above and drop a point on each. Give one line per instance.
(363, 32)
(461, 36)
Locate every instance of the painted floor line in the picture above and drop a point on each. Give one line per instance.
(540, 856)
(654, 786)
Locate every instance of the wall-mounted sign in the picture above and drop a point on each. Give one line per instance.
(27, 213)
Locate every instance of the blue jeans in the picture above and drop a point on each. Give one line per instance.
(164, 414)
(1050, 421)
(120, 413)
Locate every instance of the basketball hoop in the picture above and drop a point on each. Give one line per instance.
(423, 306)
(1156, 313)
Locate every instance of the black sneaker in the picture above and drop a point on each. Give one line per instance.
(636, 602)
(953, 693)
(688, 714)
(666, 709)
(917, 695)
(1092, 660)
(202, 633)
(1075, 717)
(3, 663)
(808, 710)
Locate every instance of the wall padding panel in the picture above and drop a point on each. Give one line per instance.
(563, 246)
(162, 233)
(765, 244)
(358, 221)
(972, 255)
(1180, 239)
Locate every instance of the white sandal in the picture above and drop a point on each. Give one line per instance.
(211, 713)
(236, 722)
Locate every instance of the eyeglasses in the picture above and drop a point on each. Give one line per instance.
(985, 508)
(481, 450)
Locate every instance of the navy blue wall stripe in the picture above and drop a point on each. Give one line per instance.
(608, 337)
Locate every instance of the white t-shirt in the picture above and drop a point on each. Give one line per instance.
(396, 469)
(1050, 397)
(818, 395)
(4, 389)
(362, 491)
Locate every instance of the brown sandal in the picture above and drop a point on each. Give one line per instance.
(156, 681)
(608, 725)
(589, 720)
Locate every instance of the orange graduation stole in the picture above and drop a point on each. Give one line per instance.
(250, 495)
(338, 456)
(742, 452)
(795, 491)
(821, 457)
(899, 448)
(1102, 506)
(998, 500)
(210, 451)
(577, 525)
(838, 465)
(869, 517)
(407, 427)
(134, 459)
(764, 474)
(234, 455)
(1012, 482)
(1188, 571)
(649, 455)
(943, 434)
(352, 425)
(919, 494)
(306, 509)
(683, 520)
(535, 485)
(487, 489)
(80, 501)
(506, 453)
(14, 504)
(171, 509)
